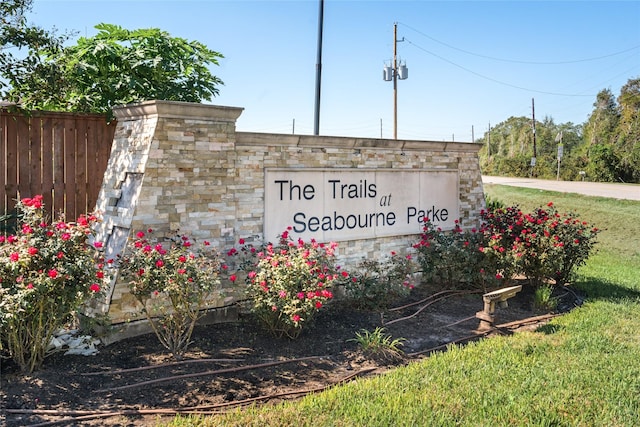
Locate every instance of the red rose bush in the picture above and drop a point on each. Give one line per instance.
(47, 271)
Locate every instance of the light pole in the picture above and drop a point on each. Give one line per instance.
(316, 116)
(393, 73)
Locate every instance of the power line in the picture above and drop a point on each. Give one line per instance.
(493, 58)
(495, 80)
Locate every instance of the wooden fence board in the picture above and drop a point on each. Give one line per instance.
(62, 156)
(47, 162)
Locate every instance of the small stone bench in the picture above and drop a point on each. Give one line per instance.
(500, 296)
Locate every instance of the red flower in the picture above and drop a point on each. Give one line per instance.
(233, 277)
(295, 318)
(140, 234)
(241, 241)
(53, 273)
(159, 263)
(100, 274)
(32, 250)
(14, 256)
(95, 287)
(318, 304)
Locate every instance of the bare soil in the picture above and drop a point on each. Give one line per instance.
(231, 364)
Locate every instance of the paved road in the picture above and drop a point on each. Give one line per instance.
(603, 189)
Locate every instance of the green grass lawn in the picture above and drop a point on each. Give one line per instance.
(581, 369)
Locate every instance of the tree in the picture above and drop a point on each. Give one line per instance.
(119, 66)
(600, 136)
(628, 131)
(20, 43)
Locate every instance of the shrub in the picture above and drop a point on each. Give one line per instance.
(456, 259)
(543, 245)
(172, 282)
(376, 284)
(290, 283)
(47, 270)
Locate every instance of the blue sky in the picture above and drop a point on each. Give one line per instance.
(471, 63)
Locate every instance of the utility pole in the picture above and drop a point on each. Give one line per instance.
(393, 73)
(560, 152)
(316, 121)
(489, 141)
(533, 125)
(395, 81)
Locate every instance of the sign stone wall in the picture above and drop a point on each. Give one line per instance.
(182, 166)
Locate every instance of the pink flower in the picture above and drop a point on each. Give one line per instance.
(233, 277)
(97, 245)
(32, 250)
(182, 258)
(65, 236)
(53, 273)
(282, 294)
(295, 318)
(95, 287)
(14, 256)
(159, 263)
(140, 234)
(241, 241)
(300, 295)
(30, 286)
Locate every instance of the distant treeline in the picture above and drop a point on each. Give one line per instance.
(605, 148)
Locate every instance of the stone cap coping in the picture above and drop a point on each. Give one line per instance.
(177, 110)
(314, 141)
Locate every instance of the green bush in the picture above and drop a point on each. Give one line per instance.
(455, 258)
(376, 284)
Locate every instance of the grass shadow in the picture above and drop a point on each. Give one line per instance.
(597, 288)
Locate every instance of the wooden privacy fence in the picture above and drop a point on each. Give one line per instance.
(62, 156)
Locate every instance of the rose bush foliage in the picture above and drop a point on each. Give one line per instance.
(172, 280)
(542, 246)
(47, 270)
(290, 281)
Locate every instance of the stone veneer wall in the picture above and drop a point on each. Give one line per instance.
(182, 166)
